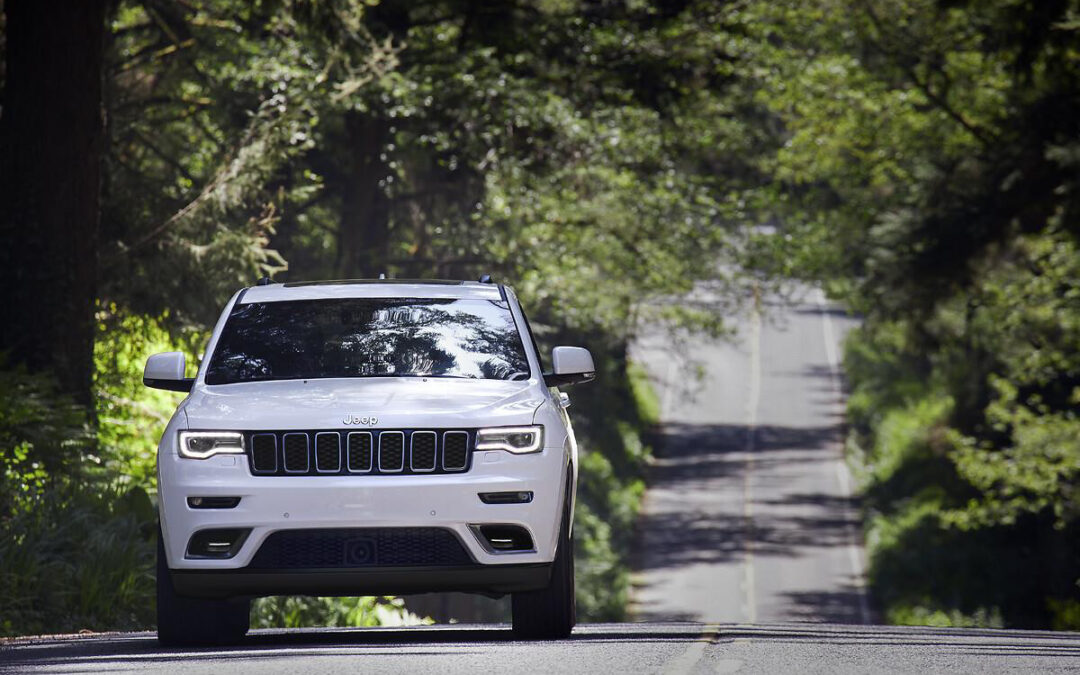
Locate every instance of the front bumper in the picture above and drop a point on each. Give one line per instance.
(272, 503)
(487, 579)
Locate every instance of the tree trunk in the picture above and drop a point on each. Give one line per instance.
(51, 143)
(364, 236)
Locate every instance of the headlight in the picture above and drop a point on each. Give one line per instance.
(203, 444)
(518, 440)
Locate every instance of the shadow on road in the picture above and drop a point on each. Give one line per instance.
(692, 456)
(697, 516)
(695, 453)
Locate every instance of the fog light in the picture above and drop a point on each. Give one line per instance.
(504, 538)
(213, 502)
(217, 544)
(506, 497)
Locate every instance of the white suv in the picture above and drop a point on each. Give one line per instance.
(366, 438)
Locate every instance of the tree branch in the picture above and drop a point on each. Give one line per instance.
(937, 100)
(168, 159)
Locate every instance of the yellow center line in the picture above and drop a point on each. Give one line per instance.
(685, 662)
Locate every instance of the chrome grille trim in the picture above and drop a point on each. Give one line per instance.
(273, 453)
(383, 436)
(336, 468)
(346, 452)
(434, 451)
(370, 451)
(466, 454)
(285, 453)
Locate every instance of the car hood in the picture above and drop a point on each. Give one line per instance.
(395, 403)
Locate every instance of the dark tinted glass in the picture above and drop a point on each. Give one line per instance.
(368, 337)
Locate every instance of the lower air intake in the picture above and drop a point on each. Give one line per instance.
(360, 547)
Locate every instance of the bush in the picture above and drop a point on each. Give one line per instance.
(301, 611)
(970, 512)
(73, 558)
(614, 414)
(131, 417)
(76, 550)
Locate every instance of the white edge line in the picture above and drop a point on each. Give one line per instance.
(842, 471)
(753, 402)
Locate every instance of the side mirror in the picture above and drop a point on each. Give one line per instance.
(570, 365)
(166, 371)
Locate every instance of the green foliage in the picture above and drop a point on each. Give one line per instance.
(938, 509)
(42, 434)
(610, 421)
(926, 172)
(437, 141)
(586, 154)
(1025, 456)
(76, 549)
(917, 157)
(645, 397)
(601, 574)
(1066, 614)
(921, 616)
(301, 611)
(908, 447)
(130, 416)
(78, 557)
(210, 106)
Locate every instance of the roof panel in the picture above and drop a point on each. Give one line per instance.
(390, 288)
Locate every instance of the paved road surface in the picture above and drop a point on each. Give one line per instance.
(597, 648)
(747, 523)
(748, 516)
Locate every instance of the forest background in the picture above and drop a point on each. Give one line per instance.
(920, 159)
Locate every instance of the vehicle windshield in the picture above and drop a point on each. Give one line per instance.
(369, 337)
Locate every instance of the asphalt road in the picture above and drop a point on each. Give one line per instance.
(748, 516)
(749, 560)
(596, 648)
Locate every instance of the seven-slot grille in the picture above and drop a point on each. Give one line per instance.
(390, 451)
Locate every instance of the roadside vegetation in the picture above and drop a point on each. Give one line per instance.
(338, 140)
(919, 158)
(929, 177)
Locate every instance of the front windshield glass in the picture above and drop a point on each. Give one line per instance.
(368, 337)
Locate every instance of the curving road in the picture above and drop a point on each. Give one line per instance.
(749, 560)
(748, 516)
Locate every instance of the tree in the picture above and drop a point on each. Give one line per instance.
(927, 171)
(51, 143)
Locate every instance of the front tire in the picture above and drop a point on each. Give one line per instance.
(190, 622)
(550, 613)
